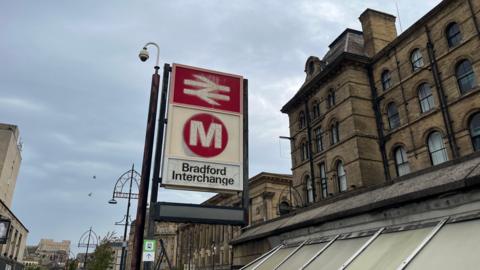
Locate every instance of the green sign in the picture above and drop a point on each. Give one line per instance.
(149, 245)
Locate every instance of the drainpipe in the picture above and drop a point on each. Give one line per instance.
(310, 154)
(441, 94)
(379, 122)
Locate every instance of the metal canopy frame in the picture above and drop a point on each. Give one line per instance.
(262, 259)
(291, 254)
(267, 257)
(262, 256)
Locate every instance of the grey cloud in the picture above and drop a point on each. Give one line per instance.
(74, 86)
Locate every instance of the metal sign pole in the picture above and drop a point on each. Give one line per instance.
(246, 199)
(145, 176)
(158, 156)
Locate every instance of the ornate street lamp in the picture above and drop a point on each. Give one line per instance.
(89, 239)
(119, 191)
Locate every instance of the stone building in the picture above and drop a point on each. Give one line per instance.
(10, 158)
(385, 133)
(48, 253)
(203, 246)
(116, 246)
(167, 231)
(379, 106)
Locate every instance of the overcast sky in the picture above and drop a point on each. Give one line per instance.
(71, 80)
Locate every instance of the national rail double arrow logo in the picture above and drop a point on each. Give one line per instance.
(209, 91)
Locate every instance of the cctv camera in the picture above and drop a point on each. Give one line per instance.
(143, 55)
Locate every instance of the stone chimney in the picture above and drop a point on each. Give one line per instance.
(378, 30)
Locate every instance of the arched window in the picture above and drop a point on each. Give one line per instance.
(401, 161)
(316, 109)
(335, 134)
(475, 131)
(436, 147)
(323, 180)
(284, 208)
(454, 36)
(331, 98)
(311, 68)
(302, 151)
(465, 76)
(416, 59)
(301, 120)
(393, 116)
(341, 177)
(318, 140)
(308, 182)
(425, 97)
(386, 80)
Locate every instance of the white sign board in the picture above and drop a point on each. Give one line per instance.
(149, 247)
(204, 138)
(148, 256)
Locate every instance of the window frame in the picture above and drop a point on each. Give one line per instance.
(331, 98)
(318, 139)
(334, 133)
(341, 177)
(323, 180)
(403, 163)
(304, 153)
(309, 188)
(393, 119)
(302, 120)
(427, 99)
(416, 59)
(310, 68)
(453, 39)
(475, 138)
(442, 149)
(468, 76)
(316, 109)
(386, 79)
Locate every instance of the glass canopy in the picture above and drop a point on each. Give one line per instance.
(438, 246)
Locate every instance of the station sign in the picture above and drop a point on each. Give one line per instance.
(149, 248)
(204, 138)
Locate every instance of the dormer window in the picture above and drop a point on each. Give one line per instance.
(311, 68)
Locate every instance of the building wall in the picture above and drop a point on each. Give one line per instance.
(415, 125)
(356, 86)
(167, 232)
(10, 160)
(17, 236)
(207, 246)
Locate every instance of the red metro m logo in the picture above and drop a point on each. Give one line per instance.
(205, 135)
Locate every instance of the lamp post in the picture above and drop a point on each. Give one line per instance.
(87, 240)
(118, 192)
(147, 159)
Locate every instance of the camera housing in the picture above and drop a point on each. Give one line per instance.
(143, 55)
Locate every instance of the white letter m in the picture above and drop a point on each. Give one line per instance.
(198, 130)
